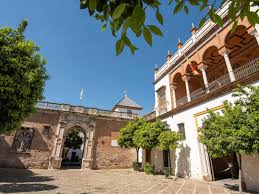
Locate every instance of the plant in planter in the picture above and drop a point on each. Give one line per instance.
(149, 168)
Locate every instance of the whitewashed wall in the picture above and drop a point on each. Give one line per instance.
(126, 110)
(196, 159)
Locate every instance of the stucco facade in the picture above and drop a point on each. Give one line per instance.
(199, 76)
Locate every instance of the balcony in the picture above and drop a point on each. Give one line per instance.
(240, 73)
(81, 109)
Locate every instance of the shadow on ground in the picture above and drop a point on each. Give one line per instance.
(23, 180)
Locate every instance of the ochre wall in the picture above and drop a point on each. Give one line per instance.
(41, 145)
(106, 155)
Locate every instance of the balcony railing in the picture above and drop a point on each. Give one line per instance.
(241, 72)
(81, 109)
(181, 101)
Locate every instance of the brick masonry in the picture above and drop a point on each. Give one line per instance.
(104, 155)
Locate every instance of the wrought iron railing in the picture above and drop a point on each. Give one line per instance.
(197, 93)
(181, 101)
(82, 109)
(241, 72)
(247, 69)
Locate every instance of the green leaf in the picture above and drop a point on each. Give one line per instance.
(186, 9)
(103, 27)
(92, 5)
(218, 20)
(159, 18)
(147, 36)
(234, 27)
(119, 46)
(202, 22)
(118, 11)
(155, 30)
(178, 7)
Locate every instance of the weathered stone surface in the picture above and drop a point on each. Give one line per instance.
(46, 149)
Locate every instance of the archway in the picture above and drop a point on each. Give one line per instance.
(196, 84)
(242, 47)
(215, 62)
(180, 91)
(73, 148)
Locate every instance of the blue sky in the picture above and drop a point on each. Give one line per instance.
(79, 55)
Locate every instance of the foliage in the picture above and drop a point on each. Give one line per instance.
(149, 168)
(136, 166)
(237, 129)
(169, 140)
(22, 76)
(73, 139)
(127, 14)
(167, 171)
(125, 138)
(147, 137)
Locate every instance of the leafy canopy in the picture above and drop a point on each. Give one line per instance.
(169, 140)
(73, 139)
(236, 130)
(125, 138)
(122, 15)
(22, 76)
(147, 137)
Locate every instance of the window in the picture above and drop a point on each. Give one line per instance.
(23, 139)
(181, 129)
(46, 130)
(161, 98)
(129, 111)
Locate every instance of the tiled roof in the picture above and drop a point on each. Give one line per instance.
(127, 102)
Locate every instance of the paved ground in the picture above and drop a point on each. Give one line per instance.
(101, 181)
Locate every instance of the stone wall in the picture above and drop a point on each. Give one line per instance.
(41, 145)
(108, 156)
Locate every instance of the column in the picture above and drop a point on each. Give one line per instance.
(186, 80)
(203, 68)
(173, 94)
(229, 67)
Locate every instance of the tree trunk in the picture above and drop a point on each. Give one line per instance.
(137, 150)
(242, 185)
(169, 163)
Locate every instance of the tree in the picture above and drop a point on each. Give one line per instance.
(236, 130)
(169, 140)
(73, 139)
(22, 77)
(127, 133)
(147, 136)
(129, 14)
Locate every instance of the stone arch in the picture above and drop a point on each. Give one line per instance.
(180, 90)
(195, 76)
(68, 121)
(82, 130)
(241, 46)
(215, 63)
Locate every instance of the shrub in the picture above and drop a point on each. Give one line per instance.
(136, 166)
(149, 168)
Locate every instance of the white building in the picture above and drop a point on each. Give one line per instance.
(200, 77)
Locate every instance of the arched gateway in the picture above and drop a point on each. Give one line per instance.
(67, 121)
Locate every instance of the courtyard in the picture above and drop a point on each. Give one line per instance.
(102, 181)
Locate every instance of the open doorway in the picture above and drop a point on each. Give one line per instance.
(73, 149)
(224, 168)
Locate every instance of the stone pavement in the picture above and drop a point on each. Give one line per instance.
(100, 181)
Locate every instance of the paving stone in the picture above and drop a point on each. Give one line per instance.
(100, 181)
